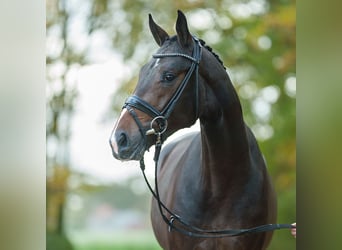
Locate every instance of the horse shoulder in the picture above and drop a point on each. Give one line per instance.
(174, 150)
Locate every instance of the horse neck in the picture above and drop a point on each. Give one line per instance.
(225, 151)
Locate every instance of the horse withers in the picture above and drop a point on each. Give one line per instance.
(213, 179)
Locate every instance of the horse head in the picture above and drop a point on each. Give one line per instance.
(166, 96)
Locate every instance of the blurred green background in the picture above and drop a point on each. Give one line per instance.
(256, 41)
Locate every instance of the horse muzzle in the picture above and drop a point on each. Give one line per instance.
(126, 148)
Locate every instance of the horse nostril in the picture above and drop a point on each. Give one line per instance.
(123, 140)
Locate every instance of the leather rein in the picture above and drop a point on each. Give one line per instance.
(157, 127)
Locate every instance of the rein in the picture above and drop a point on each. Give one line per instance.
(160, 119)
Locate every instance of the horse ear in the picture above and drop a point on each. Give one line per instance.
(158, 33)
(184, 36)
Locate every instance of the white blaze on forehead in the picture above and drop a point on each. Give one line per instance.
(156, 63)
(112, 139)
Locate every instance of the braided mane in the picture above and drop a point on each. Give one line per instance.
(212, 52)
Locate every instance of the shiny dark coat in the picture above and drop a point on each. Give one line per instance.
(213, 179)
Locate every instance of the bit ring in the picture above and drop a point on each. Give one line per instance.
(161, 125)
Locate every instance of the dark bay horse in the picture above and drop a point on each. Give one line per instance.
(214, 179)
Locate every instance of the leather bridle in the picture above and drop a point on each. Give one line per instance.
(160, 119)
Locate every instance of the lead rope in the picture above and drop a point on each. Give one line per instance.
(193, 231)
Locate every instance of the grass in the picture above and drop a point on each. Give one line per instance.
(126, 240)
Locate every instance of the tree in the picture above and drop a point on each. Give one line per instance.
(61, 61)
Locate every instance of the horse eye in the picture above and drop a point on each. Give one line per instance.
(168, 77)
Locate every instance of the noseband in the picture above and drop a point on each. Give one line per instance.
(160, 119)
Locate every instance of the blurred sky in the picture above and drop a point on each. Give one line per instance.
(89, 147)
